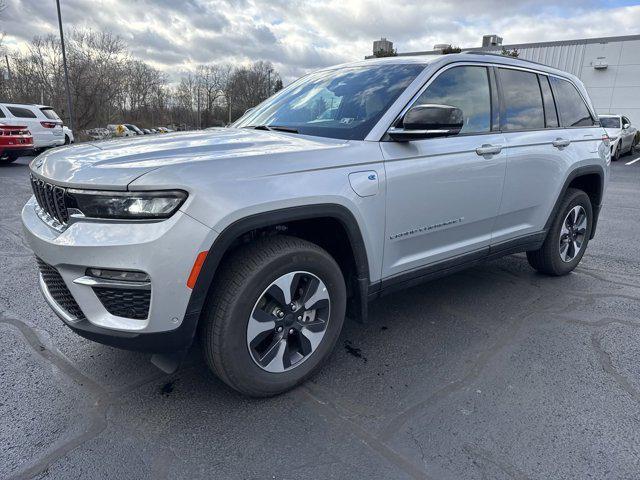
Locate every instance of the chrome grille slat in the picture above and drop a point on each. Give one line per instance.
(51, 199)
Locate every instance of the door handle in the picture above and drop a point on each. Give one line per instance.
(488, 149)
(560, 143)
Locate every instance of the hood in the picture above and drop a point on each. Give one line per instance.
(114, 164)
(613, 132)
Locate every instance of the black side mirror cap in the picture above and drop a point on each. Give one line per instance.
(427, 121)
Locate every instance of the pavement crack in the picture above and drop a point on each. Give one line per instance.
(486, 456)
(607, 364)
(311, 395)
(97, 414)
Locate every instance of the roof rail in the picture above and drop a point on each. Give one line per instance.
(481, 52)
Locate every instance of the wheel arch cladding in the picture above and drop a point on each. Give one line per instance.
(295, 217)
(589, 179)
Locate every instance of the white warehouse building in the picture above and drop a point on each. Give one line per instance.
(609, 67)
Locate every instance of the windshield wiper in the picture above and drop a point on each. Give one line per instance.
(279, 128)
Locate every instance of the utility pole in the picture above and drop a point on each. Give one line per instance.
(66, 71)
(6, 58)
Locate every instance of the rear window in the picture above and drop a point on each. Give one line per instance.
(21, 112)
(610, 122)
(571, 107)
(50, 113)
(523, 108)
(2, 115)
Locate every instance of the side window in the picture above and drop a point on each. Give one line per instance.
(21, 112)
(625, 121)
(2, 115)
(466, 88)
(523, 108)
(550, 114)
(571, 107)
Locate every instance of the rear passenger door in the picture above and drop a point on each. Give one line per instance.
(539, 152)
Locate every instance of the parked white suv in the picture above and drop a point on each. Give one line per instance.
(350, 183)
(623, 135)
(41, 120)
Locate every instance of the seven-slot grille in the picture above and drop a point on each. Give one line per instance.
(58, 290)
(51, 199)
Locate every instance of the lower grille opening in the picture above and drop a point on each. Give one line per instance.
(122, 302)
(59, 291)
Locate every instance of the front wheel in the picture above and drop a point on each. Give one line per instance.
(567, 238)
(274, 315)
(616, 154)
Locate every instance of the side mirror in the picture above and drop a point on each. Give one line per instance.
(428, 121)
(625, 126)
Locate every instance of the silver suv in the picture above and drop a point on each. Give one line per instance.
(352, 182)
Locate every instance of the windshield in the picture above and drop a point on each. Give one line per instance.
(610, 122)
(344, 103)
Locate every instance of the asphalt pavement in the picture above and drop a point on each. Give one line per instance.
(496, 372)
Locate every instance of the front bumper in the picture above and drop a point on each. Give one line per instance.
(164, 250)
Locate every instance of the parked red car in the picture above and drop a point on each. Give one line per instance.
(14, 142)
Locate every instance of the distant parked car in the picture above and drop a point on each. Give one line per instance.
(146, 131)
(623, 135)
(134, 129)
(15, 140)
(98, 133)
(42, 121)
(68, 135)
(120, 130)
(162, 130)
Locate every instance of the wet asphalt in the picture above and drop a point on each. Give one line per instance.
(496, 372)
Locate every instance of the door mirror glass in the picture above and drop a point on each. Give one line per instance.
(427, 121)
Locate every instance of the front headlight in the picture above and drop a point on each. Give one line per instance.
(126, 205)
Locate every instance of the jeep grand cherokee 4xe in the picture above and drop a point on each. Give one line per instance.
(352, 181)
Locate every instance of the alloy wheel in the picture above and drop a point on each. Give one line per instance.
(288, 321)
(573, 233)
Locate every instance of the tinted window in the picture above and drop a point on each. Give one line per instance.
(466, 88)
(50, 113)
(550, 114)
(625, 120)
(2, 115)
(610, 122)
(340, 103)
(523, 109)
(21, 112)
(571, 107)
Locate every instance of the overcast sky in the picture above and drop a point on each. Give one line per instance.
(298, 35)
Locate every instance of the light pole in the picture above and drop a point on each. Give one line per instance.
(66, 71)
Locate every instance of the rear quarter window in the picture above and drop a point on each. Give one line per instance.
(21, 112)
(571, 107)
(50, 113)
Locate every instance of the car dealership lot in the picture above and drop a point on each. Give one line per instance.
(495, 372)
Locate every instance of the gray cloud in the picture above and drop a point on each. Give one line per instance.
(301, 35)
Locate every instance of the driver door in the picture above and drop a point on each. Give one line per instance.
(443, 194)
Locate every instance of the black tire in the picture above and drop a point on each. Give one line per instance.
(616, 154)
(547, 259)
(67, 140)
(8, 157)
(243, 278)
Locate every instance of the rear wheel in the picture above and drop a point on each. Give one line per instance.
(8, 157)
(274, 316)
(568, 237)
